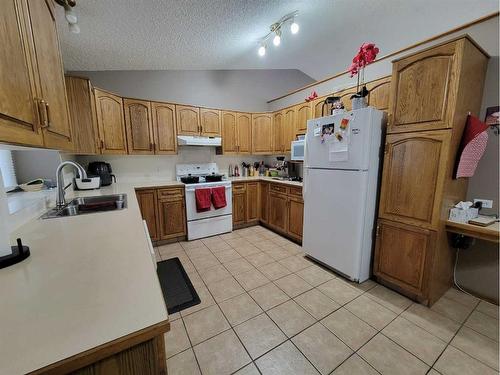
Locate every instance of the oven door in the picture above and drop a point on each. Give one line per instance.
(297, 150)
(191, 201)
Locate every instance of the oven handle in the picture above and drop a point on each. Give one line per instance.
(208, 187)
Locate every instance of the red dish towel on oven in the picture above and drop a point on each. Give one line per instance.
(219, 197)
(202, 199)
(472, 147)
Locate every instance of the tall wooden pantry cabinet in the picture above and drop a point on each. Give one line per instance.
(432, 92)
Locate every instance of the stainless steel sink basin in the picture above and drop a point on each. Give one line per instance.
(89, 205)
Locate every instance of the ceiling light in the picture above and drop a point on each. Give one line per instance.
(262, 50)
(70, 15)
(275, 31)
(74, 28)
(277, 39)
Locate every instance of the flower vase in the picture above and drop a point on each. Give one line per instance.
(359, 102)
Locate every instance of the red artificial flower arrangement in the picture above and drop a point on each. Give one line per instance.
(366, 55)
(311, 97)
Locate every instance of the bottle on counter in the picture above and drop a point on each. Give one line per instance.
(230, 172)
(236, 171)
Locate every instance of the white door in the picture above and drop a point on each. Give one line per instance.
(334, 213)
(364, 128)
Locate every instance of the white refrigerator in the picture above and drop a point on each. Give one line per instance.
(341, 170)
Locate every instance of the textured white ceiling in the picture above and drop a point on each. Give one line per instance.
(223, 34)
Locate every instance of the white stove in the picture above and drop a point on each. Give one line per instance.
(207, 223)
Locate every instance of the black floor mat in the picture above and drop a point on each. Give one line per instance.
(178, 291)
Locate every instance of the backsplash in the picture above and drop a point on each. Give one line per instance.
(130, 168)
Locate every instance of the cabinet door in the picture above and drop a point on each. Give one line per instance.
(278, 133)
(19, 108)
(303, 113)
(172, 218)
(345, 97)
(403, 255)
(139, 126)
(317, 108)
(83, 115)
(210, 121)
(164, 128)
(263, 197)
(379, 94)
(288, 128)
(188, 120)
(295, 217)
(110, 123)
(278, 207)
(422, 86)
(229, 133)
(262, 130)
(57, 131)
(147, 204)
(239, 206)
(252, 197)
(412, 178)
(244, 130)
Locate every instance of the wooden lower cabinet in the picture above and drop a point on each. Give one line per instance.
(172, 218)
(239, 204)
(295, 217)
(403, 254)
(164, 211)
(149, 211)
(278, 207)
(252, 202)
(263, 200)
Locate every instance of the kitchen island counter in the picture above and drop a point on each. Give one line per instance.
(90, 282)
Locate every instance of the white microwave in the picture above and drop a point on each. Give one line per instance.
(297, 150)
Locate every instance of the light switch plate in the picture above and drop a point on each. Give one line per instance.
(487, 203)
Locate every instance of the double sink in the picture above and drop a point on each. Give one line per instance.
(89, 205)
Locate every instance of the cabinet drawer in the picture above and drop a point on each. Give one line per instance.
(172, 193)
(279, 189)
(239, 188)
(296, 191)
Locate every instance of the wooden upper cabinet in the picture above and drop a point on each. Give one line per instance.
(413, 176)
(422, 88)
(19, 112)
(139, 126)
(210, 121)
(302, 114)
(403, 254)
(57, 129)
(278, 133)
(262, 133)
(83, 115)
(229, 133)
(317, 108)
(345, 97)
(244, 130)
(110, 123)
(289, 127)
(188, 120)
(164, 128)
(379, 93)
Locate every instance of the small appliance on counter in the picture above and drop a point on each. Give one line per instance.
(88, 183)
(296, 170)
(103, 170)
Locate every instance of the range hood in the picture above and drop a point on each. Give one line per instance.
(189, 140)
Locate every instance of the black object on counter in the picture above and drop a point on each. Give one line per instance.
(103, 170)
(213, 177)
(190, 179)
(19, 253)
(178, 291)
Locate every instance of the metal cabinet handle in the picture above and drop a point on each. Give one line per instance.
(102, 144)
(47, 114)
(42, 110)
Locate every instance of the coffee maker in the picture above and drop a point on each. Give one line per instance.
(102, 170)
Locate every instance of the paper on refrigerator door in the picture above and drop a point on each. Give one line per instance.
(338, 151)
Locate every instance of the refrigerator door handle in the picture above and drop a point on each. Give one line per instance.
(305, 169)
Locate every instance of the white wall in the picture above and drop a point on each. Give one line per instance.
(245, 90)
(132, 168)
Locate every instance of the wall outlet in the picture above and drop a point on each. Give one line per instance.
(487, 203)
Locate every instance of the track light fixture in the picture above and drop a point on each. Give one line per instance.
(276, 31)
(70, 14)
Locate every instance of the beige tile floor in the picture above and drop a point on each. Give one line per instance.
(266, 309)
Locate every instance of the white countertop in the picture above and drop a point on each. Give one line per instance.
(264, 178)
(90, 279)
